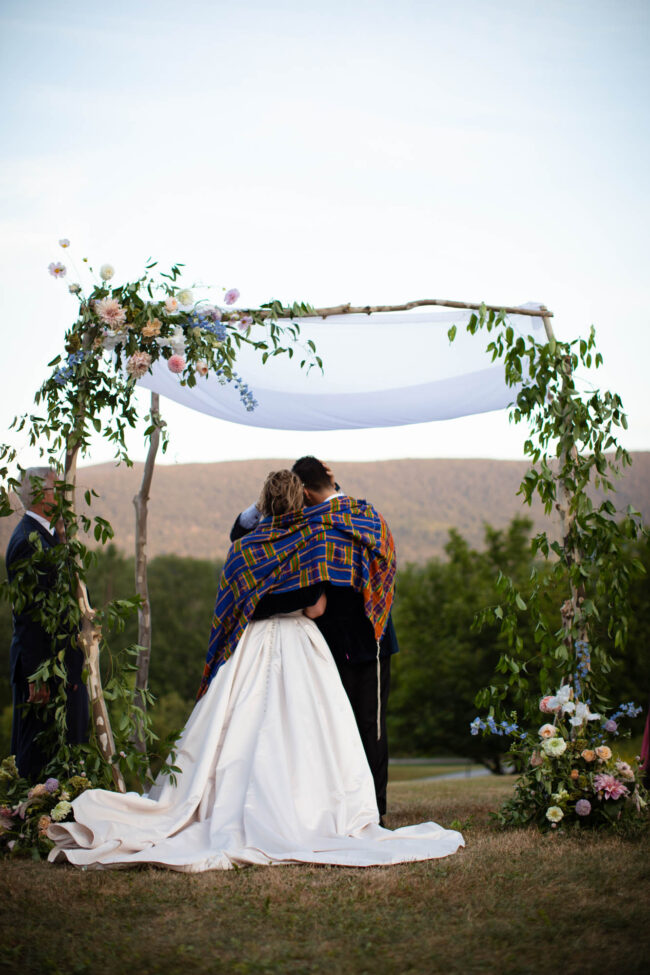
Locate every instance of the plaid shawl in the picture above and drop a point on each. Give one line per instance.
(343, 541)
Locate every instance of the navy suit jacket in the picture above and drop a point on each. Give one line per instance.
(31, 644)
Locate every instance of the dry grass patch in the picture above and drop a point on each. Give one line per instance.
(508, 903)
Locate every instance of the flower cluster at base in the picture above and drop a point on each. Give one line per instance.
(26, 813)
(569, 773)
(145, 321)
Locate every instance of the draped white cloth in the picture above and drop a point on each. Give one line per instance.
(379, 370)
(273, 772)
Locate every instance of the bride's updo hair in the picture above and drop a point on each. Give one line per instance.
(282, 492)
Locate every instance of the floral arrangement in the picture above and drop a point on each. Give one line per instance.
(152, 318)
(571, 773)
(26, 813)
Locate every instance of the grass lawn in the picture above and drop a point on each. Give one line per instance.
(511, 902)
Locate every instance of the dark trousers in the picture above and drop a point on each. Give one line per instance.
(31, 720)
(360, 683)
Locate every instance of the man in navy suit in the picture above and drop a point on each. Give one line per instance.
(31, 644)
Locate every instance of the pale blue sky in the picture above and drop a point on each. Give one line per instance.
(330, 152)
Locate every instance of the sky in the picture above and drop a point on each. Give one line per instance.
(329, 152)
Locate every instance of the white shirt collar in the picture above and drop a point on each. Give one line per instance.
(42, 521)
(337, 494)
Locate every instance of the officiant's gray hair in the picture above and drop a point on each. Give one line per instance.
(282, 492)
(29, 487)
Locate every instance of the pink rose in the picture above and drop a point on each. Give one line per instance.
(176, 363)
(202, 368)
(231, 296)
(546, 704)
(536, 759)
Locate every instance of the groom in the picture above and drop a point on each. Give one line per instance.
(349, 635)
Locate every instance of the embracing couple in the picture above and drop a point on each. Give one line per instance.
(284, 757)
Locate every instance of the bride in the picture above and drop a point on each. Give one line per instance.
(273, 770)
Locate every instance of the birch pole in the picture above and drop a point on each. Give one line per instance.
(90, 634)
(349, 309)
(140, 502)
(570, 608)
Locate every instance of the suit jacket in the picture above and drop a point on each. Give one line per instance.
(31, 644)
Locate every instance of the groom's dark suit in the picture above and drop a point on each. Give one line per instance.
(350, 636)
(30, 646)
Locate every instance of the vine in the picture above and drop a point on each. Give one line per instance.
(575, 462)
(120, 333)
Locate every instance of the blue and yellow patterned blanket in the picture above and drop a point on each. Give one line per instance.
(343, 541)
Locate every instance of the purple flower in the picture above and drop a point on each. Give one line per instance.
(610, 726)
(231, 296)
(51, 785)
(583, 807)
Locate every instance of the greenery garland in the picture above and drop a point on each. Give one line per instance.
(120, 333)
(570, 774)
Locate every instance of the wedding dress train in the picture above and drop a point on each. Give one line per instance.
(273, 772)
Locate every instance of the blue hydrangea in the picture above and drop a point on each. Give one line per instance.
(65, 373)
(208, 323)
(629, 710)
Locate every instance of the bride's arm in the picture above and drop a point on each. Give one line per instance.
(318, 608)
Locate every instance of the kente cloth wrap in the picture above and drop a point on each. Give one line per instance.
(343, 541)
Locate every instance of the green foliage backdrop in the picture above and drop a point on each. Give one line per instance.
(443, 658)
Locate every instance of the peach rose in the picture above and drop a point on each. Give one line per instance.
(588, 755)
(43, 823)
(574, 773)
(547, 731)
(151, 329)
(604, 753)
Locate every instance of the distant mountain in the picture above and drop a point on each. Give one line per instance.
(193, 506)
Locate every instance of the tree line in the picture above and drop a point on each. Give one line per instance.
(444, 657)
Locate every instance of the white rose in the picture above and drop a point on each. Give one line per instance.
(186, 298)
(110, 340)
(106, 272)
(177, 341)
(554, 814)
(554, 747)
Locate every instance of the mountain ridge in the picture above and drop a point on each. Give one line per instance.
(192, 506)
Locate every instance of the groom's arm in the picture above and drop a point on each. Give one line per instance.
(245, 522)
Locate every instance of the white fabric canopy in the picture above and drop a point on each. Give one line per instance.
(380, 370)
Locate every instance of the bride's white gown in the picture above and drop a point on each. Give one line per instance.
(273, 771)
